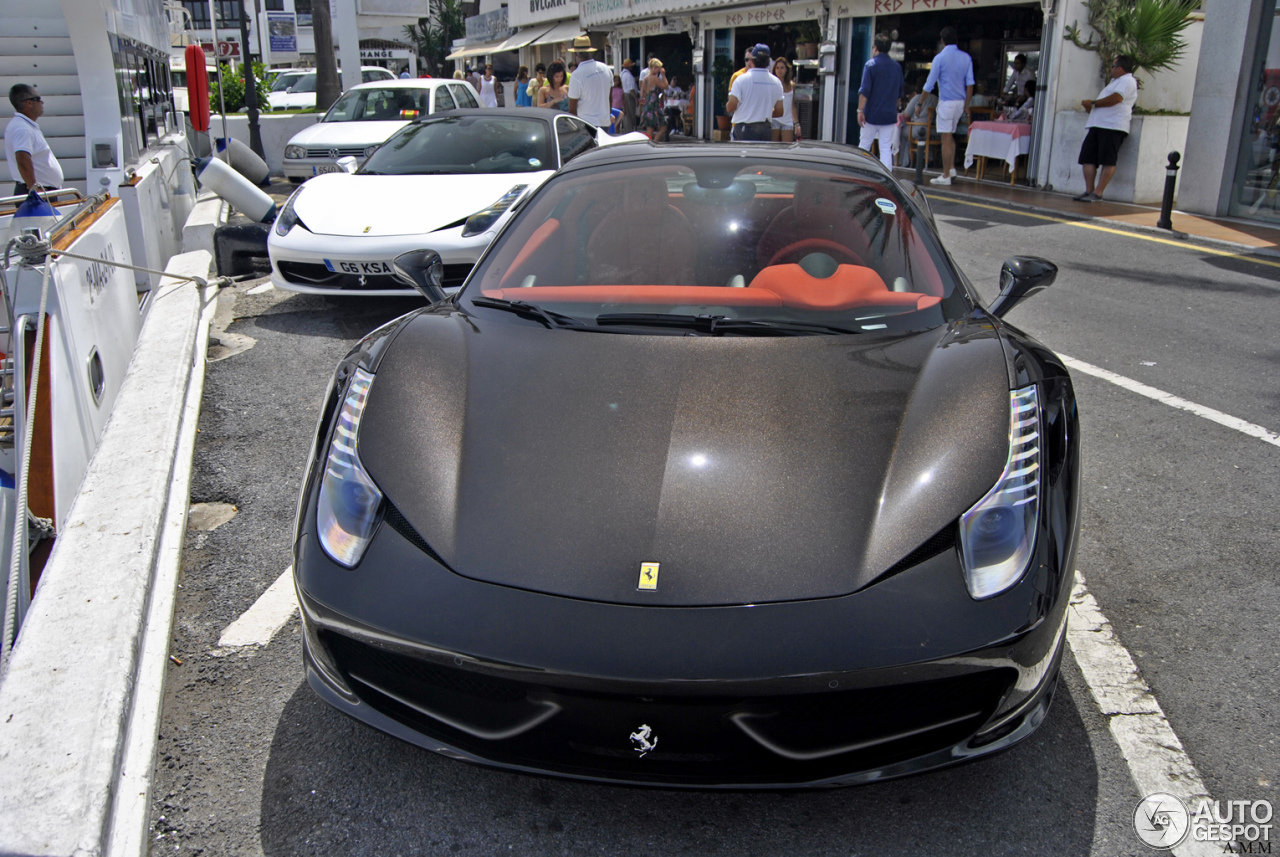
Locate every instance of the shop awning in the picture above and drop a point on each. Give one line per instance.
(477, 50)
(524, 37)
(639, 29)
(565, 31)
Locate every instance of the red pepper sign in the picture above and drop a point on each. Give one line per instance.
(197, 88)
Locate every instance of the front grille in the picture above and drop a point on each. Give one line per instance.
(343, 151)
(311, 274)
(703, 738)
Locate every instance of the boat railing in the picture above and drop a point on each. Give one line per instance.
(47, 195)
(12, 393)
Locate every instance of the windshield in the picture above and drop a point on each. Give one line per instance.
(380, 105)
(454, 145)
(285, 81)
(649, 248)
(304, 82)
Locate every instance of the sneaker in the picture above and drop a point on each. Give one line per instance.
(940, 180)
(1085, 197)
(954, 174)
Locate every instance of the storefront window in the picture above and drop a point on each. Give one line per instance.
(1257, 183)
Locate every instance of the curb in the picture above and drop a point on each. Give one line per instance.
(1172, 235)
(80, 696)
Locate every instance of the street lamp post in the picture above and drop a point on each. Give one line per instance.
(250, 87)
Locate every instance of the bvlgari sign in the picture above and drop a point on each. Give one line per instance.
(525, 13)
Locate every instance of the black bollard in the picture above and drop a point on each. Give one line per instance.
(1170, 180)
(920, 156)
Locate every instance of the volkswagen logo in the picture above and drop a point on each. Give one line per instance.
(334, 153)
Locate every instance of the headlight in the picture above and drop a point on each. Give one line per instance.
(348, 507)
(369, 150)
(483, 219)
(288, 218)
(295, 152)
(998, 535)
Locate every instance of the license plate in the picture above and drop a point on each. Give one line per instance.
(326, 168)
(339, 267)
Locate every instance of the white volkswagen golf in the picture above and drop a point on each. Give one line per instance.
(366, 115)
(451, 176)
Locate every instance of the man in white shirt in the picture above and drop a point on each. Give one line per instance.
(630, 97)
(32, 165)
(1017, 82)
(590, 86)
(753, 99)
(1108, 126)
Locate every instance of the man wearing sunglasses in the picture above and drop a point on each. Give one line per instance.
(32, 165)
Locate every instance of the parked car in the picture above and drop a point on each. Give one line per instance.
(300, 94)
(451, 176)
(366, 115)
(716, 473)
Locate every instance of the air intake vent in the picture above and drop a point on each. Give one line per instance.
(401, 525)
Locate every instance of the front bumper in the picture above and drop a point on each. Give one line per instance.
(301, 260)
(907, 675)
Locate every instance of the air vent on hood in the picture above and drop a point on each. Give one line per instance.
(397, 522)
(943, 540)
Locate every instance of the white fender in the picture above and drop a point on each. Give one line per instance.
(235, 189)
(244, 160)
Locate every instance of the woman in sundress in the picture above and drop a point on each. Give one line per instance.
(653, 119)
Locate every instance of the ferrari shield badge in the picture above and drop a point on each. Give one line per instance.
(644, 740)
(648, 576)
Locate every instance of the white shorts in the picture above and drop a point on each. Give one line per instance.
(949, 115)
(782, 124)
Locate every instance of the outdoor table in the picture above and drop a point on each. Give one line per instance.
(1003, 140)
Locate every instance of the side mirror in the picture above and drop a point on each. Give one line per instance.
(289, 89)
(422, 269)
(1020, 278)
(348, 164)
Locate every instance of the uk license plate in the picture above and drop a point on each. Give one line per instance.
(340, 267)
(326, 168)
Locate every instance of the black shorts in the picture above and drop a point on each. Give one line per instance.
(1101, 147)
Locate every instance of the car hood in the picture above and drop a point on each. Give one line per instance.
(346, 133)
(751, 469)
(341, 204)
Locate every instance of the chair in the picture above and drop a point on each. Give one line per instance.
(617, 254)
(931, 139)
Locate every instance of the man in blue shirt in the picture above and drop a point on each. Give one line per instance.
(952, 73)
(878, 100)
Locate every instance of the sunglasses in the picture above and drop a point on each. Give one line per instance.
(36, 99)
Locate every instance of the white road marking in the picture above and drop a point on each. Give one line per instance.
(257, 625)
(257, 290)
(1265, 435)
(1157, 762)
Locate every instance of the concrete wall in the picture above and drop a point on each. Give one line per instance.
(1077, 75)
(1140, 171)
(1221, 94)
(276, 132)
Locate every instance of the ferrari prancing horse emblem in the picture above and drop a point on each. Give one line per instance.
(641, 738)
(648, 576)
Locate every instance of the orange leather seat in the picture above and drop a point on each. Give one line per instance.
(643, 239)
(821, 210)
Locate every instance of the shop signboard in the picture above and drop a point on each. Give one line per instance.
(611, 11)
(524, 13)
(865, 8)
(755, 16)
(384, 54)
(282, 36)
(488, 27)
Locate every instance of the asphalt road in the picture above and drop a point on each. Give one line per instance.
(1179, 542)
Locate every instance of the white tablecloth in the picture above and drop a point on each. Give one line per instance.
(1003, 140)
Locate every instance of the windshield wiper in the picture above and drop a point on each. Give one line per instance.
(718, 324)
(548, 317)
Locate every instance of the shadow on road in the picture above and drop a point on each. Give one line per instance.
(332, 317)
(1038, 798)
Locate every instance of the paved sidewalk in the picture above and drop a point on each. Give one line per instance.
(1240, 235)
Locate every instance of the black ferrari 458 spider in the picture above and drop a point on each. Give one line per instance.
(715, 473)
